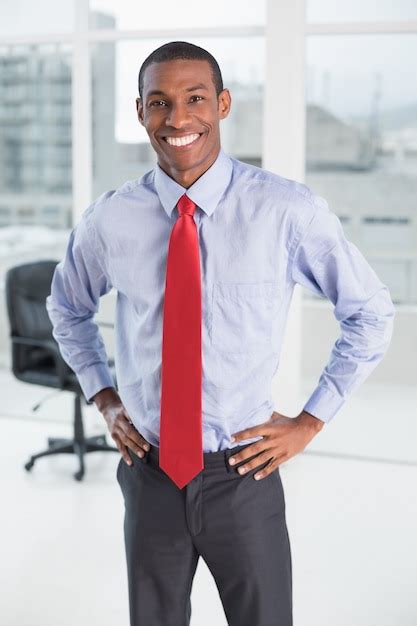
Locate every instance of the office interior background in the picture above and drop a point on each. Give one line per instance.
(323, 92)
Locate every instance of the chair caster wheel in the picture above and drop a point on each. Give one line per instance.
(29, 465)
(79, 475)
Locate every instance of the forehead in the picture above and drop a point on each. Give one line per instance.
(178, 75)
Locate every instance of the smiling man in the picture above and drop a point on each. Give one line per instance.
(182, 116)
(204, 251)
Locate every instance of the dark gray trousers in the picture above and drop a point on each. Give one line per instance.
(235, 523)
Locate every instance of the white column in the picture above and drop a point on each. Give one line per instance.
(81, 113)
(284, 154)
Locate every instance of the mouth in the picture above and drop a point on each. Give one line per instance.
(183, 143)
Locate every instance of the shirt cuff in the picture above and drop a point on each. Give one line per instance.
(94, 378)
(323, 403)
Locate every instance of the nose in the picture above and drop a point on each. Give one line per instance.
(178, 116)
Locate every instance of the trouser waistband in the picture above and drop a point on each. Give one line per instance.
(219, 458)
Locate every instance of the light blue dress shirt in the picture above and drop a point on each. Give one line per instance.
(259, 234)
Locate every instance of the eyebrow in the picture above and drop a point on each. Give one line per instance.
(157, 92)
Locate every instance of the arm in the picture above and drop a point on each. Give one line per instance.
(311, 422)
(78, 283)
(105, 398)
(325, 262)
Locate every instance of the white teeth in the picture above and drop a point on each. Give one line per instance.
(181, 141)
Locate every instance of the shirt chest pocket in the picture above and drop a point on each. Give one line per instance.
(242, 316)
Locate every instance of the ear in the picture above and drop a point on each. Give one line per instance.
(139, 110)
(224, 103)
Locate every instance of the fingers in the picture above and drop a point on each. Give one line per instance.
(257, 461)
(123, 451)
(247, 452)
(132, 437)
(127, 436)
(270, 467)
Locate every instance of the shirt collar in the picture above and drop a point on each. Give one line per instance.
(205, 192)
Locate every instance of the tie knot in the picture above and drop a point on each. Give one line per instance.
(186, 206)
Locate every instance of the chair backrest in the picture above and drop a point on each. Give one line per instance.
(27, 287)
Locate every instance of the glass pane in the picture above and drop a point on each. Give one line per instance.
(124, 14)
(122, 149)
(35, 151)
(362, 146)
(360, 10)
(20, 18)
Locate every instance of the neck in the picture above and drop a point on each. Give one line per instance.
(186, 178)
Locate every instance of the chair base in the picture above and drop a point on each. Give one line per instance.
(58, 445)
(78, 445)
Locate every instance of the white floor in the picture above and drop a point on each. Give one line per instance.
(351, 515)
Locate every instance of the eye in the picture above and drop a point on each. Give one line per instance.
(157, 102)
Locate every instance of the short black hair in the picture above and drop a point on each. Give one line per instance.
(174, 50)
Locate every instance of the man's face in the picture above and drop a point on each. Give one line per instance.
(179, 101)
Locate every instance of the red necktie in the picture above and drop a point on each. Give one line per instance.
(181, 438)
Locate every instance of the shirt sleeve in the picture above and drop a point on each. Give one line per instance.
(77, 284)
(328, 264)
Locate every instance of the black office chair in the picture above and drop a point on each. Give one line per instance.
(36, 357)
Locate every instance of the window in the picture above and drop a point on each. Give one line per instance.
(360, 10)
(20, 18)
(35, 148)
(124, 14)
(361, 146)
